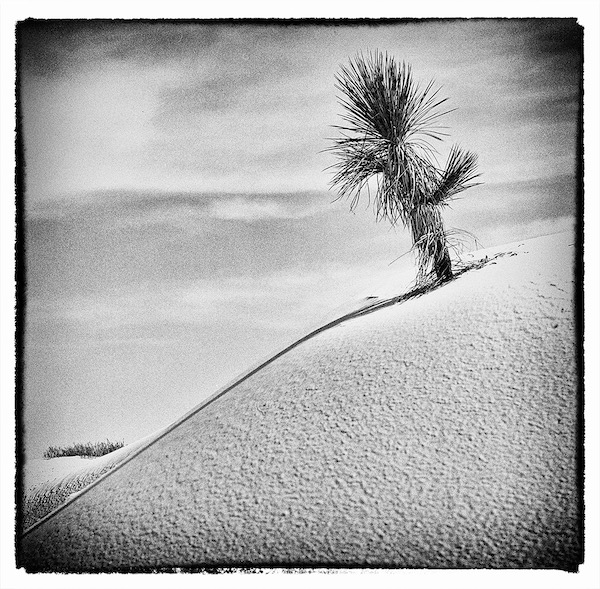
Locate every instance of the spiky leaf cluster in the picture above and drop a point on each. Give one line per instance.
(390, 123)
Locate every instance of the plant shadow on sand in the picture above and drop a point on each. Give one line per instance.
(425, 285)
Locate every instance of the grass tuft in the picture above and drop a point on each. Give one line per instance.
(87, 449)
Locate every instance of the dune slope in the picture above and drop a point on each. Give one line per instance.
(440, 432)
(48, 484)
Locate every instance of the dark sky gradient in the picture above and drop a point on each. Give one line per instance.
(179, 224)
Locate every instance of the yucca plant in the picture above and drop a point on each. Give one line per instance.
(387, 140)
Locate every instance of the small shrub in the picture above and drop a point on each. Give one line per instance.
(88, 449)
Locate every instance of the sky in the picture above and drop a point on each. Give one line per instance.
(179, 220)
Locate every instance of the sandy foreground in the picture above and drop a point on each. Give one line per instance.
(439, 432)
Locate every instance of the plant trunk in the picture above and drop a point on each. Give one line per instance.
(429, 239)
(443, 264)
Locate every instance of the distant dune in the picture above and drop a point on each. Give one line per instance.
(439, 432)
(49, 483)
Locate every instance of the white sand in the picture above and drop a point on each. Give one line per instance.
(38, 471)
(440, 432)
(50, 483)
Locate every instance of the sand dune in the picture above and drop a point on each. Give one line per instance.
(48, 484)
(440, 432)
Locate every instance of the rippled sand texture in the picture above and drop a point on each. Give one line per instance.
(48, 484)
(440, 432)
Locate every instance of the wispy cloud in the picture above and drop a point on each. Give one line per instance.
(247, 108)
(250, 209)
(58, 47)
(517, 201)
(282, 300)
(184, 210)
